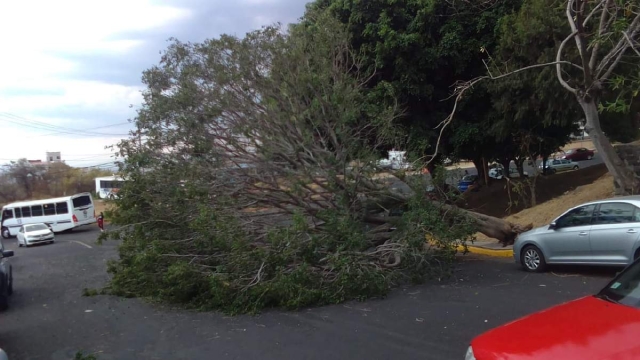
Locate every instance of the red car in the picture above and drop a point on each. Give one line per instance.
(605, 326)
(579, 154)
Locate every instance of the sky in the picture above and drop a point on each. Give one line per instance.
(70, 70)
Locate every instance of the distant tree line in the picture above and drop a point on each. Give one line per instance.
(21, 180)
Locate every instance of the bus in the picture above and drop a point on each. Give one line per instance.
(107, 187)
(59, 214)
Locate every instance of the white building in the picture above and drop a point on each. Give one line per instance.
(53, 157)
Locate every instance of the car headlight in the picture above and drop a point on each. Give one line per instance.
(470, 355)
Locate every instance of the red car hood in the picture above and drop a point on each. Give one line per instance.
(587, 328)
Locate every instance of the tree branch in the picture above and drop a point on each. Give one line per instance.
(463, 87)
(558, 63)
(633, 47)
(618, 51)
(601, 30)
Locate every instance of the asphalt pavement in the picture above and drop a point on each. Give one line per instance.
(49, 318)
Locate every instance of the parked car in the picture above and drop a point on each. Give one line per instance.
(558, 165)
(6, 278)
(469, 182)
(601, 326)
(579, 154)
(498, 172)
(34, 233)
(605, 232)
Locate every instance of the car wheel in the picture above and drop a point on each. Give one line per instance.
(575, 167)
(532, 259)
(5, 233)
(589, 157)
(553, 171)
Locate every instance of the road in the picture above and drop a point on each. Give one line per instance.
(48, 317)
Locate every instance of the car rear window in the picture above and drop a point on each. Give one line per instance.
(36, 227)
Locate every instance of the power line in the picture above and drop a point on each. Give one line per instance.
(19, 120)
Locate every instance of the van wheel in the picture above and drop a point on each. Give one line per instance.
(5, 233)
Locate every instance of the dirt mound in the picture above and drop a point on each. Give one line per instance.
(542, 214)
(494, 199)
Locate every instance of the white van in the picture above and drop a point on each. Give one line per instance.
(59, 214)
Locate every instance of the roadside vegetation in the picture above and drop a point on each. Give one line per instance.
(253, 174)
(21, 180)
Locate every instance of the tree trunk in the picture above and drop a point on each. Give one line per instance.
(480, 166)
(506, 163)
(503, 231)
(624, 179)
(520, 165)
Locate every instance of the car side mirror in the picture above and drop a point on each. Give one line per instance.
(7, 253)
(553, 226)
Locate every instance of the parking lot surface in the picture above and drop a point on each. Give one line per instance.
(49, 318)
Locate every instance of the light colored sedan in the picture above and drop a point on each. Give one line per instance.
(605, 232)
(559, 165)
(34, 233)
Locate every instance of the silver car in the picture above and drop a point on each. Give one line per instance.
(559, 165)
(605, 232)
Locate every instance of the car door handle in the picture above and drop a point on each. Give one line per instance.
(631, 231)
(584, 233)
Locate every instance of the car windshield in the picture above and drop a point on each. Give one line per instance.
(625, 289)
(36, 227)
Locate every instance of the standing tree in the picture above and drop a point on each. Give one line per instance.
(606, 35)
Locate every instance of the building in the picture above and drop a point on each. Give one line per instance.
(53, 157)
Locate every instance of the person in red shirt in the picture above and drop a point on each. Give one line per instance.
(101, 221)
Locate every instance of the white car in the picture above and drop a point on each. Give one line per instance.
(34, 233)
(498, 172)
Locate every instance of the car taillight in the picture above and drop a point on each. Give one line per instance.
(75, 219)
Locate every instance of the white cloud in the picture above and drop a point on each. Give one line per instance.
(36, 75)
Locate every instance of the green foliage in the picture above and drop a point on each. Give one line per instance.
(224, 269)
(81, 356)
(419, 49)
(290, 228)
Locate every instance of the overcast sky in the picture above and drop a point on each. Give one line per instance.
(70, 69)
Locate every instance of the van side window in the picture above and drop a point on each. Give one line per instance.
(49, 209)
(18, 212)
(26, 212)
(7, 214)
(36, 210)
(62, 208)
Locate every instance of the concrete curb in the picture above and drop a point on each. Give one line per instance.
(505, 253)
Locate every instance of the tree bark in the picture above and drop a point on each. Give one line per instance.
(480, 166)
(503, 231)
(624, 179)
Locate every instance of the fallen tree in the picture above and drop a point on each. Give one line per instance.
(254, 181)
